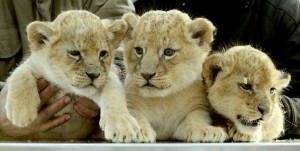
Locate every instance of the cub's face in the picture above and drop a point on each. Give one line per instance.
(244, 86)
(76, 49)
(164, 51)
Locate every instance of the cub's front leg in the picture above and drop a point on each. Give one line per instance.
(116, 122)
(147, 132)
(196, 127)
(235, 135)
(22, 97)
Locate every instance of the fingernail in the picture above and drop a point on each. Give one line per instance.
(67, 100)
(67, 117)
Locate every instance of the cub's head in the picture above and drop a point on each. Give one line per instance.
(244, 86)
(76, 49)
(164, 51)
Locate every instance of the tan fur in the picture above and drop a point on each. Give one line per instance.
(170, 107)
(225, 76)
(70, 53)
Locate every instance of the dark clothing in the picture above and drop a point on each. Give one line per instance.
(271, 25)
(292, 117)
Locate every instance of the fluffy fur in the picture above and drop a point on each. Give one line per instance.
(244, 87)
(74, 52)
(164, 52)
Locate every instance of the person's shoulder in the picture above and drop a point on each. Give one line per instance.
(283, 3)
(291, 7)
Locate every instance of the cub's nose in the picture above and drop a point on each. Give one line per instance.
(263, 110)
(92, 76)
(147, 76)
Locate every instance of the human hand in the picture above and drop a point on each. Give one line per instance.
(86, 108)
(44, 122)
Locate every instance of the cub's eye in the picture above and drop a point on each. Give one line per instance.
(139, 51)
(103, 54)
(74, 53)
(169, 52)
(246, 87)
(272, 91)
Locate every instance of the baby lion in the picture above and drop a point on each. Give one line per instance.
(74, 52)
(244, 87)
(164, 52)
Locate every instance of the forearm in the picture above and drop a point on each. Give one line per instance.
(111, 8)
(291, 108)
(4, 137)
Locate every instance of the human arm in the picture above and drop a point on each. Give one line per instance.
(292, 117)
(111, 9)
(44, 122)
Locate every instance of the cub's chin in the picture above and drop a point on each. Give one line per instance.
(149, 90)
(248, 126)
(87, 91)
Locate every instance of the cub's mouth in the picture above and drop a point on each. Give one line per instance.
(246, 122)
(149, 85)
(92, 85)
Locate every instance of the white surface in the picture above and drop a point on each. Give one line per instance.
(290, 146)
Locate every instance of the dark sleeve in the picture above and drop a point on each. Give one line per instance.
(112, 9)
(288, 56)
(287, 43)
(292, 117)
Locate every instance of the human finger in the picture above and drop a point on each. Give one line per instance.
(78, 111)
(85, 111)
(55, 122)
(53, 108)
(42, 84)
(47, 93)
(86, 108)
(88, 103)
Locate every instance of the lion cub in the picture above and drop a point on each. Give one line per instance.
(244, 87)
(164, 52)
(74, 52)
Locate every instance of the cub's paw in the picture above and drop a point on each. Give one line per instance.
(120, 128)
(235, 135)
(146, 135)
(206, 134)
(20, 114)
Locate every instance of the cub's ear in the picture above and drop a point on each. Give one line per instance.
(117, 30)
(202, 30)
(216, 66)
(40, 34)
(211, 69)
(283, 80)
(131, 20)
